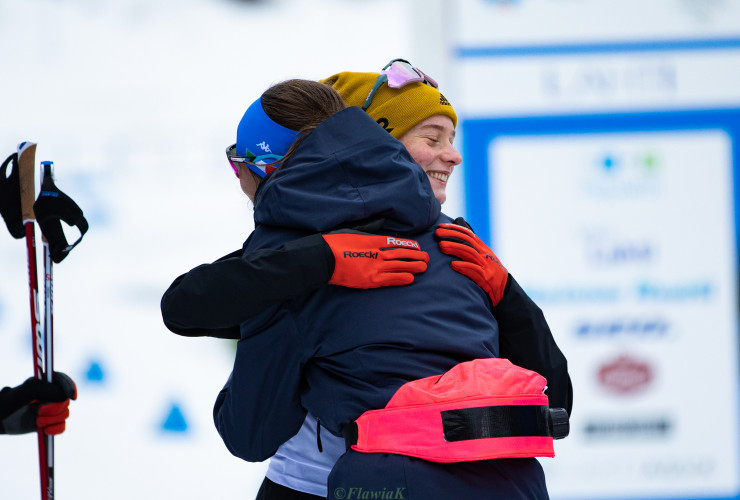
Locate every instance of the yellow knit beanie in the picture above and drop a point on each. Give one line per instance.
(396, 110)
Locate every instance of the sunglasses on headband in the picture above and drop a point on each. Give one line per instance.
(398, 73)
(260, 165)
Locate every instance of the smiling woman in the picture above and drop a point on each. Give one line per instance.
(411, 109)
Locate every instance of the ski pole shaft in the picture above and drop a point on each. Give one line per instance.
(48, 170)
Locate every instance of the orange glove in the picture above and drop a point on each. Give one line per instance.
(370, 261)
(478, 263)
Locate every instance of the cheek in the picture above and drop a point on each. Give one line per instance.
(248, 184)
(422, 155)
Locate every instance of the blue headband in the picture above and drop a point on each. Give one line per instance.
(260, 135)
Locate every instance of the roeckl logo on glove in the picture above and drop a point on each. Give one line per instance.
(368, 255)
(492, 257)
(403, 243)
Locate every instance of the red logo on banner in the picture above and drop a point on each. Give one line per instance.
(625, 375)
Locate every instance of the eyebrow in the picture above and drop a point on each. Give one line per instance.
(439, 128)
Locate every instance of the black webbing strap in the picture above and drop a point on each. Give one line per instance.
(495, 421)
(349, 432)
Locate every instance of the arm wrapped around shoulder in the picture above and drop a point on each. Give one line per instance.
(371, 261)
(478, 262)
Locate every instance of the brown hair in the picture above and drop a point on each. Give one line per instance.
(301, 105)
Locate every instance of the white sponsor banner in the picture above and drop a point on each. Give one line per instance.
(599, 82)
(534, 22)
(627, 242)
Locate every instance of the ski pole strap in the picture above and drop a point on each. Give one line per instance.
(51, 208)
(479, 410)
(10, 197)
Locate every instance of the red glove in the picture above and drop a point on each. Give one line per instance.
(52, 417)
(371, 261)
(478, 263)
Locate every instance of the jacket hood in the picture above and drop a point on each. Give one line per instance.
(348, 169)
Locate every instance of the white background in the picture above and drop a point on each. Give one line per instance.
(135, 101)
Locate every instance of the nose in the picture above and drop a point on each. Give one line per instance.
(452, 155)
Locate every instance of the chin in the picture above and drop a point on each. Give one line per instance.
(441, 197)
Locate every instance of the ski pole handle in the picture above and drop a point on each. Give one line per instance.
(26, 174)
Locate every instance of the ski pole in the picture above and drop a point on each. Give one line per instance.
(47, 170)
(27, 185)
(51, 208)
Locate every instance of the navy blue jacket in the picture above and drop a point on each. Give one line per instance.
(339, 352)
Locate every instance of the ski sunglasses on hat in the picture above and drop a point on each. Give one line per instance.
(398, 73)
(260, 165)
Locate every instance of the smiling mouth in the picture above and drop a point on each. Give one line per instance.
(439, 176)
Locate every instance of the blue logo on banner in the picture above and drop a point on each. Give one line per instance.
(626, 428)
(622, 328)
(674, 292)
(610, 162)
(593, 294)
(619, 253)
(623, 175)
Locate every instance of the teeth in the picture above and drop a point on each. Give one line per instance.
(439, 176)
